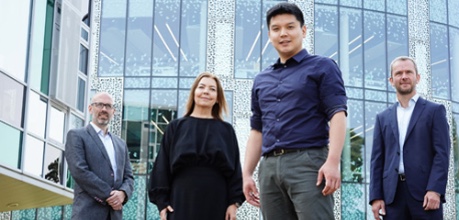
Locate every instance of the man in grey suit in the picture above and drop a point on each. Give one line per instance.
(99, 163)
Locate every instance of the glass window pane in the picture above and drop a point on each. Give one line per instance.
(36, 114)
(41, 39)
(83, 67)
(269, 54)
(454, 56)
(75, 122)
(84, 34)
(453, 12)
(139, 37)
(352, 155)
(351, 41)
(11, 99)
(14, 19)
(397, 6)
(326, 31)
(247, 45)
(56, 125)
(112, 38)
(33, 156)
(11, 146)
(397, 38)
(439, 58)
(378, 5)
(374, 51)
(438, 10)
(81, 94)
(52, 164)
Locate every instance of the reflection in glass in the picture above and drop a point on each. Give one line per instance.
(397, 7)
(352, 155)
(454, 57)
(350, 52)
(248, 45)
(374, 50)
(139, 38)
(437, 10)
(377, 5)
(56, 124)
(397, 38)
(40, 58)
(81, 94)
(75, 122)
(36, 114)
(112, 38)
(268, 54)
(326, 31)
(137, 82)
(453, 12)
(12, 138)
(33, 156)
(52, 164)
(14, 19)
(371, 109)
(352, 3)
(136, 127)
(439, 58)
(11, 99)
(193, 37)
(83, 67)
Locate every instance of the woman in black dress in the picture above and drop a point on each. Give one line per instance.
(197, 173)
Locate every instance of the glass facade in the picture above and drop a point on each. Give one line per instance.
(148, 53)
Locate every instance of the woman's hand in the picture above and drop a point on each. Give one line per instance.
(231, 212)
(163, 213)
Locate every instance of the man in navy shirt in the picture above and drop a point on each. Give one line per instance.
(298, 126)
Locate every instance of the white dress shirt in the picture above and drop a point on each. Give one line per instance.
(403, 120)
(108, 144)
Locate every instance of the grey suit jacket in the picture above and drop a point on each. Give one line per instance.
(92, 171)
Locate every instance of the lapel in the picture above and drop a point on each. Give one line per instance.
(95, 137)
(418, 109)
(393, 121)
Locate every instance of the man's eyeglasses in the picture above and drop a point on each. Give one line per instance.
(101, 105)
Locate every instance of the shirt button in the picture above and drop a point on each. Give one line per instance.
(277, 119)
(277, 140)
(278, 100)
(111, 174)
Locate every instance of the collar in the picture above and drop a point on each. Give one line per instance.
(297, 58)
(413, 99)
(97, 129)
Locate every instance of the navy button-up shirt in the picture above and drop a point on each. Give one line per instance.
(292, 103)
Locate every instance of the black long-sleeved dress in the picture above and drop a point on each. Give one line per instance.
(197, 171)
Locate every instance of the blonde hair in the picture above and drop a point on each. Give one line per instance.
(220, 105)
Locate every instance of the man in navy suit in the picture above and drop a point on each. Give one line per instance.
(99, 163)
(411, 145)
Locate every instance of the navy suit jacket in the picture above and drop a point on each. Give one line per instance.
(93, 173)
(425, 153)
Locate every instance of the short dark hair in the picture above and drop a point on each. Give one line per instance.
(403, 58)
(285, 8)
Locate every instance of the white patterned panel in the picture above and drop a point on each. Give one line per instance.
(96, 9)
(220, 37)
(307, 6)
(449, 208)
(114, 86)
(5, 215)
(419, 43)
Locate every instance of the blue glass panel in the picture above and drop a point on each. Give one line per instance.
(371, 109)
(139, 38)
(81, 94)
(454, 58)
(326, 31)
(351, 3)
(327, 1)
(397, 39)
(453, 12)
(248, 43)
(374, 51)
(378, 5)
(439, 58)
(375, 95)
(354, 93)
(397, 6)
(11, 142)
(351, 52)
(438, 11)
(164, 83)
(193, 38)
(136, 82)
(186, 83)
(112, 38)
